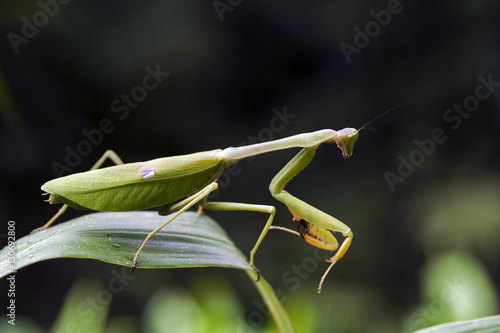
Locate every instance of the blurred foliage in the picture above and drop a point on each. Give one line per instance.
(80, 312)
(461, 281)
(212, 308)
(481, 325)
(227, 81)
(462, 215)
(85, 309)
(455, 286)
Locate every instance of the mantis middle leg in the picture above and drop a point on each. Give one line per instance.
(225, 206)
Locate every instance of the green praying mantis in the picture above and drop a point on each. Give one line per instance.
(176, 183)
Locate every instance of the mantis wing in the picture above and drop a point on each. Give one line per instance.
(128, 188)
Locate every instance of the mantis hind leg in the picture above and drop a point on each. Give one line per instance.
(108, 154)
(316, 224)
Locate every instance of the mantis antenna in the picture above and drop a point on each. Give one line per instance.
(386, 112)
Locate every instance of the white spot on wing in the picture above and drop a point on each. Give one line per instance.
(147, 172)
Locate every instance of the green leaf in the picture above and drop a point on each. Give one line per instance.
(480, 325)
(190, 240)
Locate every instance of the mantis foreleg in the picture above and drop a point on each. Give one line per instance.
(108, 154)
(314, 223)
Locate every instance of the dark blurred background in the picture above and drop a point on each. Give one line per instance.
(425, 214)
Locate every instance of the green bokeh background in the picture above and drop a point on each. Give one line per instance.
(424, 252)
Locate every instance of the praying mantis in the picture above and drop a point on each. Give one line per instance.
(176, 183)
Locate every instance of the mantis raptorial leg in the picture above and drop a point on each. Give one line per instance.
(315, 223)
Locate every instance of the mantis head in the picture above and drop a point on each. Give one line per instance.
(345, 139)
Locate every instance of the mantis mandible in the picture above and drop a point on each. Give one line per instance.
(174, 184)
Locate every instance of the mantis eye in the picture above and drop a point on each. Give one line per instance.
(147, 172)
(345, 140)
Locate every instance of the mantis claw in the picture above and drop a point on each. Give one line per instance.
(134, 265)
(324, 276)
(256, 271)
(34, 231)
